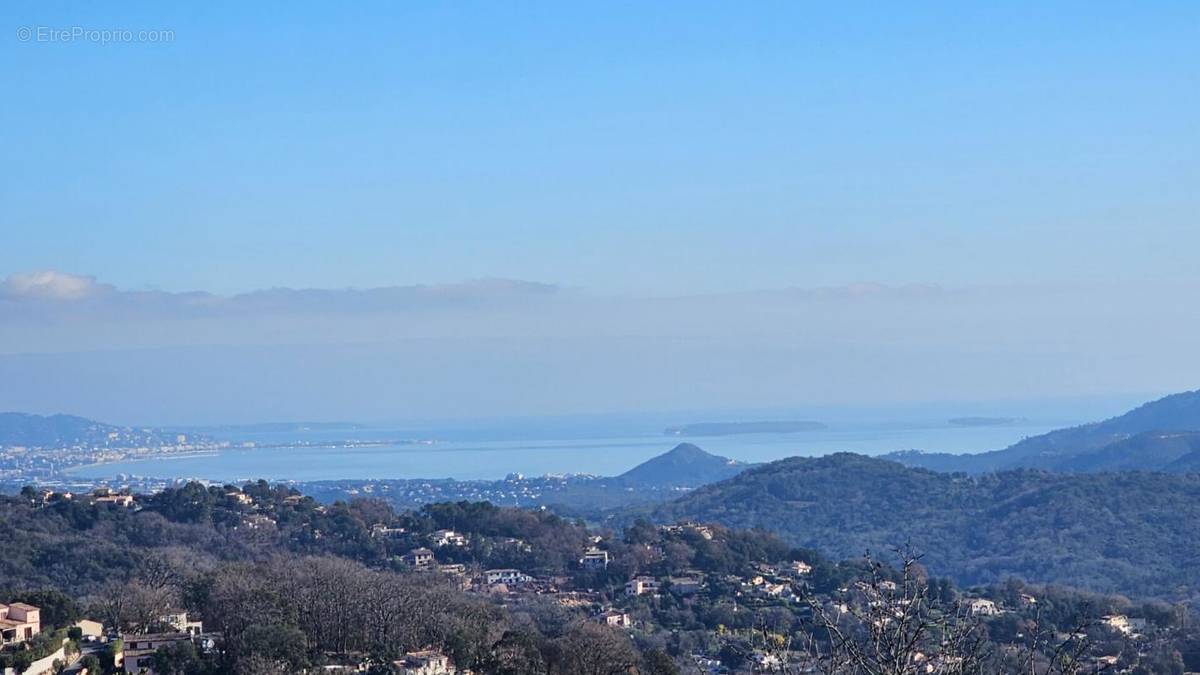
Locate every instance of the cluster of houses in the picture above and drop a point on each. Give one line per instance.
(101, 496)
(491, 580)
(20, 623)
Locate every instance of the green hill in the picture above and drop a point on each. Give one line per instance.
(1143, 438)
(50, 430)
(1130, 533)
(60, 431)
(1150, 451)
(685, 465)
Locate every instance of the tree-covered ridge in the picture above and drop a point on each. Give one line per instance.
(1152, 437)
(1131, 533)
(60, 431)
(288, 585)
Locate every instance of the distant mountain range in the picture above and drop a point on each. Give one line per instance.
(1162, 435)
(685, 465)
(57, 431)
(735, 428)
(1131, 533)
(39, 430)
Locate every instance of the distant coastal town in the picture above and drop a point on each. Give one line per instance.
(50, 464)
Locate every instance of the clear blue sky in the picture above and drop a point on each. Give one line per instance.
(970, 201)
(649, 147)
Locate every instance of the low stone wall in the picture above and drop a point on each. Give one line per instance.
(42, 665)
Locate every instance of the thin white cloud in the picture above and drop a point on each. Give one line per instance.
(512, 347)
(51, 285)
(60, 293)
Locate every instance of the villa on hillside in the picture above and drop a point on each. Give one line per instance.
(506, 577)
(240, 497)
(124, 501)
(137, 653)
(594, 559)
(381, 530)
(801, 568)
(257, 521)
(178, 619)
(1124, 624)
(685, 585)
(426, 662)
(448, 538)
(19, 622)
(418, 557)
(641, 586)
(615, 618)
(983, 607)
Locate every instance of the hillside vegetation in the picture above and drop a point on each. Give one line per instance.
(1153, 437)
(1131, 533)
(685, 465)
(61, 431)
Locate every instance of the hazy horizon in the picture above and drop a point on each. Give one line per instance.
(452, 212)
(508, 349)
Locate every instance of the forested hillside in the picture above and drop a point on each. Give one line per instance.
(285, 585)
(60, 431)
(1132, 533)
(685, 465)
(1151, 437)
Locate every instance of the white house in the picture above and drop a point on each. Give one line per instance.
(1125, 624)
(615, 618)
(137, 655)
(506, 577)
(448, 538)
(426, 662)
(180, 622)
(418, 557)
(594, 559)
(641, 586)
(982, 607)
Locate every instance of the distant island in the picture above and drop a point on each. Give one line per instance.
(982, 421)
(734, 428)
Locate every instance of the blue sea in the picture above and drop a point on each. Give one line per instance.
(593, 445)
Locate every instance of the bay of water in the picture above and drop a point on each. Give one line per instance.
(482, 455)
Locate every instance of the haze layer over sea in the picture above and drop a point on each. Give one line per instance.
(598, 444)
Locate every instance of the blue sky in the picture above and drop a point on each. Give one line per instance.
(719, 204)
(671, 148)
